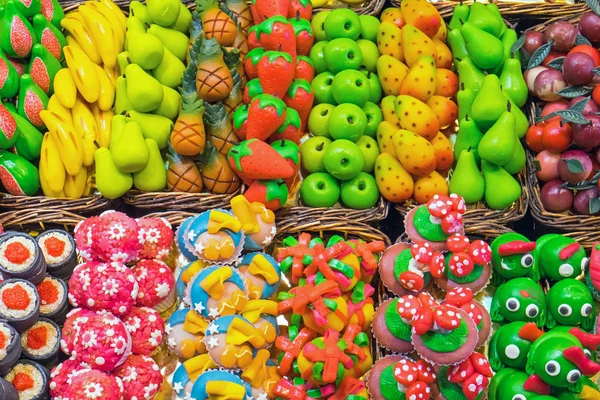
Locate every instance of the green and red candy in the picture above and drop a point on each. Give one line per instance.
(304, 35)
(32, 100)
(9, 78)
(300, 96)
(277, 34)
(17, 37)
(290, 151)
(276, 72)
(255, 159)
(43, 68)
(53, 12)
(272, 193)
(251, 61)
(265, 115)
(290, 129)
(240, 121)
(49, 36)
(18, 176)
(253, 88)
(9, 130)
(29, 8)
(263, 9)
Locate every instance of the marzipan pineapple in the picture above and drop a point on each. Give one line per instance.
(217, 175)
(213, 79)
(219, 128)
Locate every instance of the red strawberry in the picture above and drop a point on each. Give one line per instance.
(253, 42)
(254, 159)
(252, 89)
(240, 121)
(290, 151)
(265, 115)
(263, 9)
(290, 129)
(251, 62)
(277, 34)
(304, 35)
(301, 8)
(300, 97)
(276, 72)
(305, 69)
(272, 193)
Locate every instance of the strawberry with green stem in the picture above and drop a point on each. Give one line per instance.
(305, 69)
(252, 89)
(300, 97)
(276, 72)
(253, 41)
(263, 9)
(301, 8)
(265, 115)
(290, 151)
(277, 34)
(290, 129)
(251, 62)
(273, 193)
(255, 159)
(240, 121)
(305, 37)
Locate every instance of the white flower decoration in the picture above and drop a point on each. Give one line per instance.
(93, 390)
(89, 339)
(162, 290)
(117, 232)
(110, 287)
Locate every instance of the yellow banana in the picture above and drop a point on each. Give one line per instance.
(103, 35)
(56, 107)
(104, 124)
(85, 124)
(112, 17)
(112, 73)
(49, 192)
(107, 90)
(52, 170)
(89, 182)
(83, 73)
(72, 42)
(67, 140)
(75, 185)
(117, 11)
(64, 88)
(76, 15)
(82, 35)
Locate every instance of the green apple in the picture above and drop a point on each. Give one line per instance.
(318, 120)
(342, 54)
(318, 26)
(370, 54)
(350, 86)
(312, 153)
(370, 151)
(319, 190)
(375, 84)
(317, 56)
(374, 118)
(322, 86)
(342, 23)
(343, 159)
(347, 121)
(369, 26)
(361, 192)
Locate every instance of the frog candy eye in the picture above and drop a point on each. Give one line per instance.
(586, 310)
(527, 261)
(552, 368)
(573, 376)
(565, 310)
(512, 304)
(518, 397)
(566, 270)
(532, 311)
(585, 262)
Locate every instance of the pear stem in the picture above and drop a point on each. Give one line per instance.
(508, 106)
(459, 60)
(97, 144)
(462, 86)
(466, 117)
(461, 21)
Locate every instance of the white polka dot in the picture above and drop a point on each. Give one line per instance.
(122, 309)
(152, 318)
(100, 360)
(91, 302)
(110, 332)
(512, 351)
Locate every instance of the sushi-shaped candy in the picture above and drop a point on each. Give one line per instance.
(58, 248)
(30, 379)
(217, 291)
(216, 236)
(115, 238)
(10, 347)
(111, 286)
(62, 376)
(188, 272)
(41, 342)
(219, 384)
(185, 330)
(102, 341)
(141, 377)
(156, 237)
(230, 341)
(262, 275)
(188, 372)
(19, 303)
(8, 391)
(263, 315)
(21, 257)
(83, 237)
(146, 328)
(94, 385)
(258, 222)
(156, 285)
(70, 329)
(54, 303)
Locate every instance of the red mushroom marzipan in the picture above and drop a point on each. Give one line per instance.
(480, 252)
(459, 296)
(457, 243)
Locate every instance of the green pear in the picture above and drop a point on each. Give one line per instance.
(468, 137)
(170, 71)
(175, 41)
(466, 179)
(460, 14)
(123, 61)
(153, 177)
(489, 103)
(484, 49)
(516, 164)
(501, 188)
(144, 49)
(521, 121)
(130, 152)
(110, 182)
(121, 100)
(169, 107)
(153, 126)
(464, 99)
(117, 129)
(469, 75)
(513, 83)
(135, 24)
(508, 39)
(485, 19)
(457, 45)
(498, 144)
(183, 20)
(144, 92)
(163, 12)
(493, 7)
(140, 11)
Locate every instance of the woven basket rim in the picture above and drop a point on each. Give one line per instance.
(38, 218)
(300, 212)
(177, 201)
(84, 205)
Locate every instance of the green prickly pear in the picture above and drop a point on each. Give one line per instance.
(53, 12)
(16, 33)
(43, 68)
(9, 78)
(29, 8)
(32, 100)
(49, 36)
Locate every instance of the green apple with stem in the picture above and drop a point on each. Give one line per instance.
(319, 190)
(360, 192)
(312, 153)
(347, 121)
(370, 151)
(374, 118)
(322, 86)
(318, 120)
(341, 54)
(318, 26)
(317, 56)
(370, 54)
(343, 159)
(342, 23)
(351, 86)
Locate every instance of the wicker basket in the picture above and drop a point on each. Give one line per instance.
(373, 7)
(175, 201)
(85, 206)
(40, 219)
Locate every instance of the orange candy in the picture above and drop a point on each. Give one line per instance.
(16, 298)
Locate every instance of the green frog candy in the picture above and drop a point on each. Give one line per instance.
(507, 348)
(570, 303)
(589, 392)
(507, 384)
(519, 299)
(512, 257)
(559, 257)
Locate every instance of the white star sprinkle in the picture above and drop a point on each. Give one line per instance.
(191, 235)
(213, 313)
(213, 329)
(168, 329)
(199, 307)
(177, 387)
(172, 342)
(213, 342)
